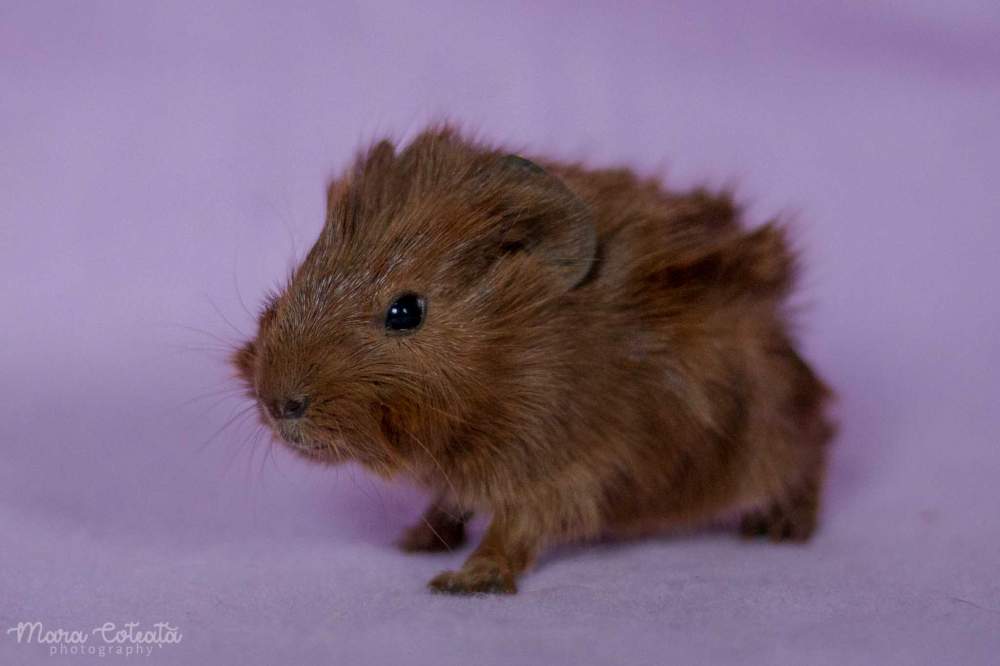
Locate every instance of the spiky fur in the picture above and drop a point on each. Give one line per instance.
(600, 355)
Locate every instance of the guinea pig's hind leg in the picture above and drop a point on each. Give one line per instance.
(791, 518)
(440, 529)
(493, 568)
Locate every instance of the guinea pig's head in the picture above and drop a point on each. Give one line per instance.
(424, 307)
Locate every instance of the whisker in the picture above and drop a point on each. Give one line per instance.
(231, 391)
(236, 285)
(230, 464)
(226, 319)
(228, 344)
(438, 464)
(435, 533)
(232, 419)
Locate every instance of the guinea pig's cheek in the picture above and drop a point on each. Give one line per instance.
(243, 360)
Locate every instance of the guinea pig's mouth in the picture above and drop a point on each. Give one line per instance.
(291, 435)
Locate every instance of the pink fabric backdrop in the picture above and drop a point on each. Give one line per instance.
(158, 160)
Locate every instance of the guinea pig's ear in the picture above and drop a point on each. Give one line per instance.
(372, 187)
(548, 221)
(367, 187)
(335, 191)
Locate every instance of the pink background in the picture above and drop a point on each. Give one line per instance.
(158, 160)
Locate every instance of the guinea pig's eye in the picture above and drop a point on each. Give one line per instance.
(405, 314)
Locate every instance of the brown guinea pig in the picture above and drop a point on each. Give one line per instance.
(577, 353)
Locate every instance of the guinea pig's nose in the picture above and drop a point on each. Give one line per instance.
(290, 408)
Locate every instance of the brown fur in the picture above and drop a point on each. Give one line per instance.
(599, 356)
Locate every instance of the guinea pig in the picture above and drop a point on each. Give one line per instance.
(577, 353)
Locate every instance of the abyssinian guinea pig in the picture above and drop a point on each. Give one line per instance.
(576, 353)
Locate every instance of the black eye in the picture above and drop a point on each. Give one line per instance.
(405, 314)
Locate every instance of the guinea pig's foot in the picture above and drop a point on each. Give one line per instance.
(478, 577)
(426, 538)
(439, 530)
(794, 523)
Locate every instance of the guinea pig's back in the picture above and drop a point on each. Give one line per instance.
(694, 304)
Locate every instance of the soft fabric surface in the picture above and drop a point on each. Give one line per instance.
(161, 161)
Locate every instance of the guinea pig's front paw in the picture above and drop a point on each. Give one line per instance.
(481, 577)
